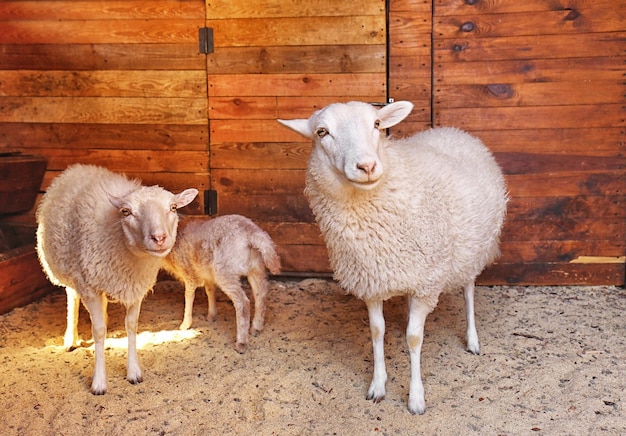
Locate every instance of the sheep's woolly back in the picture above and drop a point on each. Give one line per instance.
(231, 245)
(81, 242)
(432, 223)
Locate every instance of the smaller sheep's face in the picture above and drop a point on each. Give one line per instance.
(149, 218)
(349, 137)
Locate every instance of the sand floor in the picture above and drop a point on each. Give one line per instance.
(553, 362)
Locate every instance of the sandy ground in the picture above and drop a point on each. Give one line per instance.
(552, 362)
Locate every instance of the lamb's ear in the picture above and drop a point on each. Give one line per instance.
(393, 113)
(299, 125)
(185, 197)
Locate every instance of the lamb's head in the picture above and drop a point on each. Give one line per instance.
(149, 219)
(347, 136)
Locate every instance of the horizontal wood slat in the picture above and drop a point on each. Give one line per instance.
(228, 9)
(456, 7)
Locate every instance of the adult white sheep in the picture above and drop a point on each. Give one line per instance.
(219, 252)
(102, 235)
(413, 217)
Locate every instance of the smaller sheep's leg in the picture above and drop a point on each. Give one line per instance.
(232, 288)
(209, 289)
(99, 332)
(133, 370)
(190, 295)
(70, 339)
(258, 283)
(415, 337)
(472, 334)
(376, 390)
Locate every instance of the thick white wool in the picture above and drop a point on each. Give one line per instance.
(431, 224)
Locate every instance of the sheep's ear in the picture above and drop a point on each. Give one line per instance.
(185, 197)
(117, 202)
(393, 113)
(299, 125)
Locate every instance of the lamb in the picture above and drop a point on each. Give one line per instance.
(219, 252)
(101, 235)
(413, 216)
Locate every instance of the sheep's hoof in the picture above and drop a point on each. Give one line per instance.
(375, 398)
(241, 348)
(255, 332)
(98, 390)
(184, 326)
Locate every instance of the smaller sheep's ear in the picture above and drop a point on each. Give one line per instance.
(299, 125)
(117, 202)
(185, 197)
(393, 113)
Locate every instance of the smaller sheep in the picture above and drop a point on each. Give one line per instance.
(101, 235)
(218, 252)
(414, 216)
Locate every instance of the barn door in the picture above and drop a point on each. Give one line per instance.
(282, 60)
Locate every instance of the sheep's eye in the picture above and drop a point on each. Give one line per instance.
(173, 208)
(125, 211)
(321, 132)
(377, 124)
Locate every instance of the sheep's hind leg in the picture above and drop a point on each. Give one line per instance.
(415, 337)
(232, 288)
(472, 334)
(259, 285)
(190, 295)
(376, 390)
(133, 370)
(99, 332)
(70, 339)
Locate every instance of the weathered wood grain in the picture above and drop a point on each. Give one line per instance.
(227, 9)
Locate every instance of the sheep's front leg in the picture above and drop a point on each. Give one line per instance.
(472, 334)
(376, 390)
(70, 339)
(133, 370)
(190, 295)
(415, 337)
(99, 332)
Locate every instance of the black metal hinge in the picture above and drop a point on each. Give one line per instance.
(210, 202)
(205, 40)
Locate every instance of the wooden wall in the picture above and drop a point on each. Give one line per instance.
(542, 83)
(121, 84)
(279, 60)
(114, 83)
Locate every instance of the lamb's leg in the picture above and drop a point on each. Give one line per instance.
(190, 295)
(376, 390)
(472, 334)
(70, 339)
(415, 337)
(209, 289)
(258, 283)
(232, 288)
(99, 332)
(133, 370)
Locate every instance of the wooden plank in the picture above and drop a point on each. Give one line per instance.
(100, 31)
(583, 19)
(28, 136)
(557, 251)
(573, 207)
(589, 45)
(455, 7)
(321, 30)
(564, 228)
(600, 141)
(283, 85)
(227, 9)
(298, 59)
(565, 185)
(293, 233)
(416, 6)
(260, 155)
(111, 9)
(529, 94)
(71, 57)
(228, 131)
(257, 182)
(103, 110)
(604, 69)
(156, 84)
(531, 163)
(553, 274)
(299, 258)
(539, 117)
(273, 207)
(121, 160)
